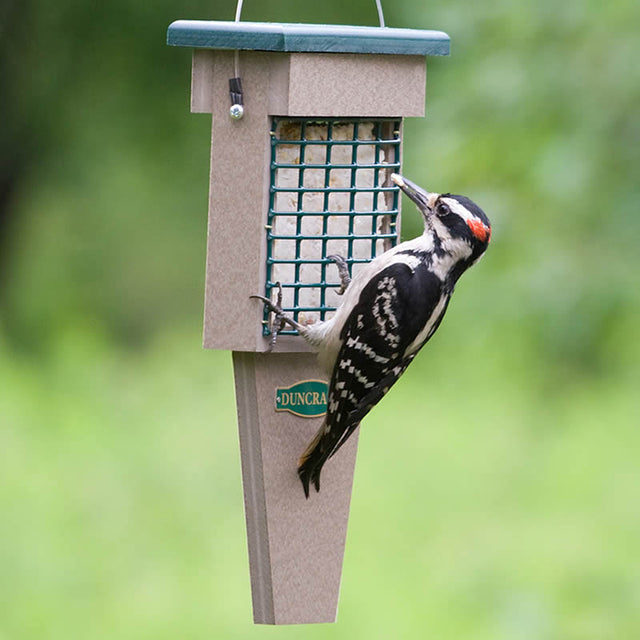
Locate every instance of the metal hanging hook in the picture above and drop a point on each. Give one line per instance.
(235, 91)
(235, 86)
(378, 7)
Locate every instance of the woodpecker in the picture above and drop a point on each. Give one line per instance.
(389, 311)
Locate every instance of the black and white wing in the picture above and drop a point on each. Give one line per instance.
(397, 312)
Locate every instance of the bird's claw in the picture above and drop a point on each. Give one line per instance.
(343, 272)
(279, 318)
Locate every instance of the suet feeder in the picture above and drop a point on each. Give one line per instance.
(307, 128)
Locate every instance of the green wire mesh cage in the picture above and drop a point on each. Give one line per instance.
(330, 194)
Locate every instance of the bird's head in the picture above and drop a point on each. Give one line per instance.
(458, 223)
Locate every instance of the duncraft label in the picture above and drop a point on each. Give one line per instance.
(307, 398)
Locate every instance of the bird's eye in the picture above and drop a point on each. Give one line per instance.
(442, 209)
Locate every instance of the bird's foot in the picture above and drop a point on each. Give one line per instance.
(343, 272)
(279, 319)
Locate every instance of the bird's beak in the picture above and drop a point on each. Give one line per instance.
(423, 199)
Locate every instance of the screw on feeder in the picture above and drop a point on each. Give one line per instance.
(236, 111)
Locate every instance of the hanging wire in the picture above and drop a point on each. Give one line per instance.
(238, 10)
(235, 87)
(378, 7)
(236, 54)
(380, 14)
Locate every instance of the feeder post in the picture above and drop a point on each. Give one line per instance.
(302, 175)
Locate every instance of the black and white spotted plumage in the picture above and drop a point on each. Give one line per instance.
(390, 310)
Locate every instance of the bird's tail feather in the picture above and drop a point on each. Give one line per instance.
(324, 444)
(313, 458)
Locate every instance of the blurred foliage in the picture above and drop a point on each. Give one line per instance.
(509, 496)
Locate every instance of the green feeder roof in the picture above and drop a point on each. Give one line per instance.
(322, 38)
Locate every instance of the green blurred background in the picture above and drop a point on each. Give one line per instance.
(504, 504)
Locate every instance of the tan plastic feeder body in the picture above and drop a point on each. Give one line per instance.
(302, 175)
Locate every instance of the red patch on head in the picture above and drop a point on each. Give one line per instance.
(479, 229)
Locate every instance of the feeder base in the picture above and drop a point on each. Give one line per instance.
(296, 545)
